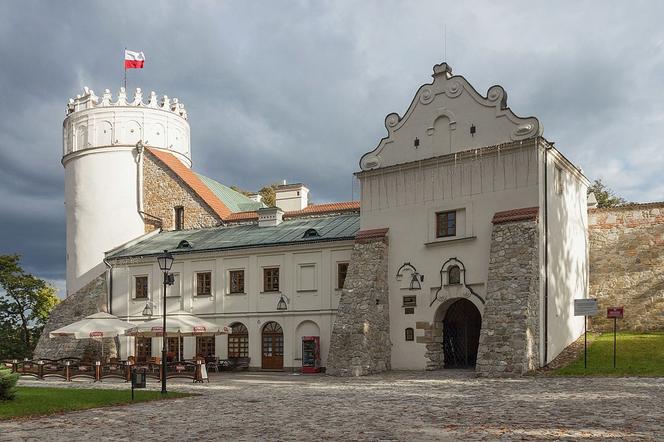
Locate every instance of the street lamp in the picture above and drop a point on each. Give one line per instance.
(165, 261)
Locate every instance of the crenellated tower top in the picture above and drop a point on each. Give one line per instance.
(95, 124)
(89, 100)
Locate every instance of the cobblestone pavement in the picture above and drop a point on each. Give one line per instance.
(395, 406)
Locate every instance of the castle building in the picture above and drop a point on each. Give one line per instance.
(466, 249)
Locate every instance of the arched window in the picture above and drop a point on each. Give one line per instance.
(410, 334)
(238, 341)
(454, 275)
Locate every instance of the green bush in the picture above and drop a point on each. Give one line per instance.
(7, 384)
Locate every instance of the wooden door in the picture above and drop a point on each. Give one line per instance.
(273, 347)
(143, 350)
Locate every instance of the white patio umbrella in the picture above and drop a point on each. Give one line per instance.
(179, 323)
(97, 325)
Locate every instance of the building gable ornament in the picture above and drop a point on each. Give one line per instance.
(444, 277)
(489, 121)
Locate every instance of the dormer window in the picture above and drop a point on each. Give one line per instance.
(179, 217)
(311, 233)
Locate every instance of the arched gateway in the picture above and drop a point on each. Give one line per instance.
(461, 334)
(456, 335)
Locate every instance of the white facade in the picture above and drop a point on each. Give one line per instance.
(456, 151)
(103, 172)
(308, 282)
(291, 197)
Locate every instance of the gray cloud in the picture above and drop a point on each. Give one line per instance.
(299, 90)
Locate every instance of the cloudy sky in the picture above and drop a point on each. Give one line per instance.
(299, 90)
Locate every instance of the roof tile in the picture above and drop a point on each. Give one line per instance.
(526, 213)
(193, 181)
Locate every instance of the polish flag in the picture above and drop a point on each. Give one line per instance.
(134, 60)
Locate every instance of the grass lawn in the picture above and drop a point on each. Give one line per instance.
(638, 354)
(33, 401)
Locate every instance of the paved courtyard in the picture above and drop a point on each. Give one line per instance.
(395, 406)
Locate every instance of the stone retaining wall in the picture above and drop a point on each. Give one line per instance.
(360, 342)
(509, 339)
(90, 299)
(627, 265)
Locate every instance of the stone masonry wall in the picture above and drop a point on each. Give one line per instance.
(90, 299)
(163, 190)
(509, 339)
(627, 265)
(360, 342)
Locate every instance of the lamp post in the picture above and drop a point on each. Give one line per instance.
(165, 261)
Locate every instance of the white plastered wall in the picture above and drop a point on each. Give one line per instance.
(567, 275)
(308, 308)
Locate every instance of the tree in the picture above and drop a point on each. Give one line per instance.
(269, 196)
(25, 306)
(605, 196)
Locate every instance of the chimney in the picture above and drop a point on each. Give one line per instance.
(270, 216)
(290, 197)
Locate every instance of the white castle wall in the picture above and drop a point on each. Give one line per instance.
(103, 171)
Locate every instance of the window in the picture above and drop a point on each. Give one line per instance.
(141, 286)
(410, 334)
(174, 349)
(409, 301)
(445, 224)
(179, 218)
(454, 275)
(236, 278)
(558, 180)
(203, 284)
(306, 277)
(238, 341)
(205, 346)
(409, 311)
(271, 279)
(342, 271)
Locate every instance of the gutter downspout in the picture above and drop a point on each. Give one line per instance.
(546, 254)
(110, 286)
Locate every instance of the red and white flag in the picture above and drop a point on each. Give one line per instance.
(134, 60)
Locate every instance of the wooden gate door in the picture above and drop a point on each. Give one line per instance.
(273, 347)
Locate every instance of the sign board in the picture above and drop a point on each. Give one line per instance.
(96, 334)
(585, 307)
(615, 312)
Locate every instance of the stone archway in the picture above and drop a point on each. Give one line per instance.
(452, 339)
(461, 335)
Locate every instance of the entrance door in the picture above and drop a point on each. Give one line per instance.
(461, 334)
(273, 347)
(143, 349)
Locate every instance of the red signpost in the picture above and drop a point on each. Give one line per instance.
(615, 313)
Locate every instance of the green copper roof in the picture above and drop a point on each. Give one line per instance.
(235, 201)
(289, 232)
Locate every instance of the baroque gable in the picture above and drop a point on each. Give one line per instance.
(448, 116)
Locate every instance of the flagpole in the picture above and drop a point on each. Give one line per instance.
(125, 69)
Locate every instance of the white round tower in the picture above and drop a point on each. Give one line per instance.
(103, 171)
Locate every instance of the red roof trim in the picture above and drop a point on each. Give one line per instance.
(527, 213)
(372, 233)
(314, 209)
(194, 183)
